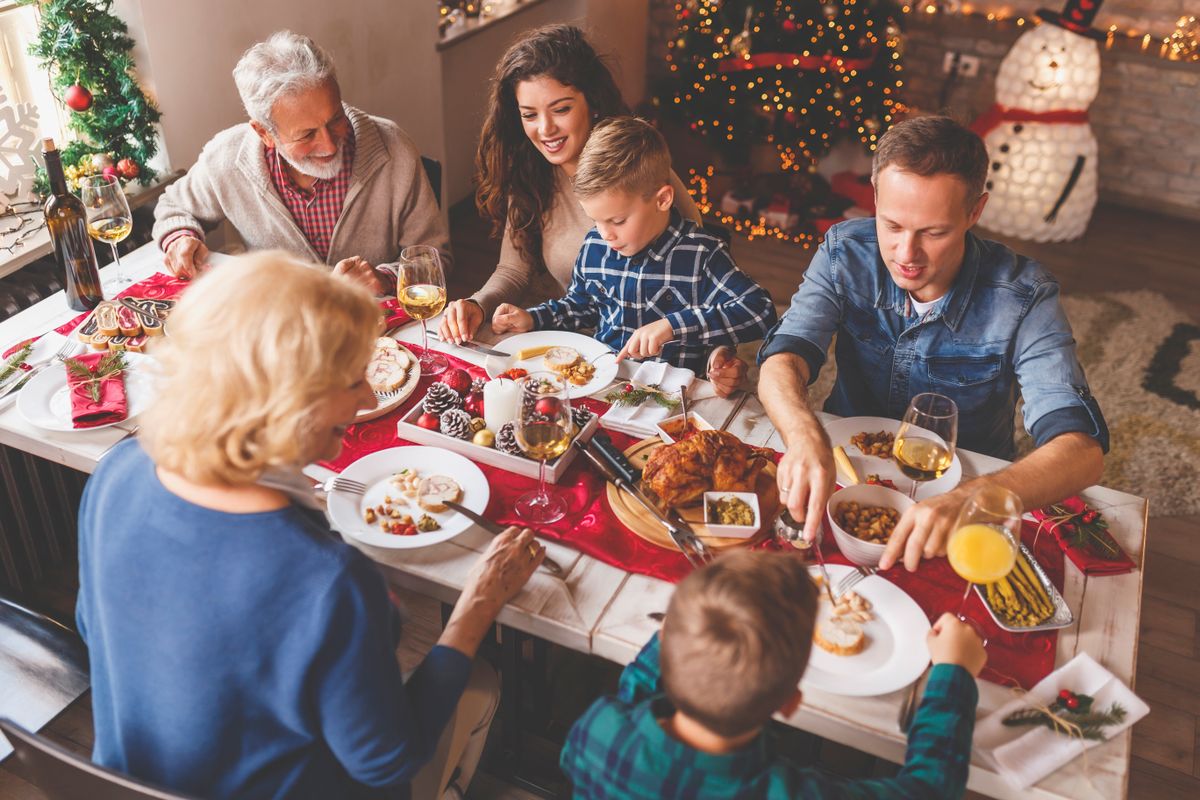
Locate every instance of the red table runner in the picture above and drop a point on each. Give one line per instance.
(591, 527)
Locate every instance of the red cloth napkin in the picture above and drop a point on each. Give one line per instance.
(1064, 531)
(393, 314)
(89, 413)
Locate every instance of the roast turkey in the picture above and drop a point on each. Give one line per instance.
(707, 461)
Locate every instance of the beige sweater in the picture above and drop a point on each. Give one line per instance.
(527, 283)
(388, 206)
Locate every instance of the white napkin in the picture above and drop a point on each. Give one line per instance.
(1025, 755)
(640, 420)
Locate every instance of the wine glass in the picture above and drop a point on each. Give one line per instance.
(983, 547)
(543, 430)
(421, 290)
(924, 446)
(108, 216)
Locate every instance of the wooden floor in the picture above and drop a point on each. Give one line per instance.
(1123, 250)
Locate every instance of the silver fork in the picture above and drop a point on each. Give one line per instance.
(21, 378)
(852, 579)
(339, 484)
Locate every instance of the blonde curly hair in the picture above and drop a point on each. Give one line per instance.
(253, 349)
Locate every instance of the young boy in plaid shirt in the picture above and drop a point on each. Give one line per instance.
(690, 715)
(651, 283)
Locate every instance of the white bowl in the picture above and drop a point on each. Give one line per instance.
(863, 553)
(673, 424)
(733, 531)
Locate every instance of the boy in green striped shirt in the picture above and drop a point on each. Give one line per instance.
(690, 716)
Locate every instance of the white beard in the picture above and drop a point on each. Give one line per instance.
(316, 169)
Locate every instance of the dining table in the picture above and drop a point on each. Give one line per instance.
(600, 609)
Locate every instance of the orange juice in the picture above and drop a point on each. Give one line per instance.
(980, 553)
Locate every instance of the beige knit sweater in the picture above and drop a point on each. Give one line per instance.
(524, 281)
(388, 206)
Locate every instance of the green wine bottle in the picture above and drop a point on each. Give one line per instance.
(67, 221)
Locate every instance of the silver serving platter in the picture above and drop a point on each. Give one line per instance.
(1062, 616)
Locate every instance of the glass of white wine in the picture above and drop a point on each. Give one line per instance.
(108, 216)
(543, 430)
(421, 290)
(924, 445)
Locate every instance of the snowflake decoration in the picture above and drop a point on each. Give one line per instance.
(18, 143)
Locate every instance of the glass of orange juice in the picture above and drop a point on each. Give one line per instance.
(983, 547)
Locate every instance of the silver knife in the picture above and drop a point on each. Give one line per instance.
(552, 566)
(478, 348)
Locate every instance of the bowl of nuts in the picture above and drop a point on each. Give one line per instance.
(862, 518)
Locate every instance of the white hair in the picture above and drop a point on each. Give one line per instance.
(284, 64)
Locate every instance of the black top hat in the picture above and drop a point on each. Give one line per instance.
(1076, 16)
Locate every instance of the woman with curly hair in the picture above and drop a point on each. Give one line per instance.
(548, 91)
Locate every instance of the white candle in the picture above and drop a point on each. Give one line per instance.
(501, 402)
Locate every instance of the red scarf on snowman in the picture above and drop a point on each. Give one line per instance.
(997, 114)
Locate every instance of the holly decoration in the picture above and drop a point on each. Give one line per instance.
(87, 53)
(633, 395)
(91, 378)
(1070, 714)
(1079, 525)
(439, 398)
(456, 423)
(457, 379)
(77, 98)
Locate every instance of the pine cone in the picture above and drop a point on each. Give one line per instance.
(506, 440)
(581, 416)
(457, 423)
(440, 398)
(477, 384)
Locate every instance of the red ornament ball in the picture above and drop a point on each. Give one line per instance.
(109, 172)
(789, 25)
(458, 379)
(473, 404)
(77, 98)
(547, 406)
(430, 422)
(128, 168)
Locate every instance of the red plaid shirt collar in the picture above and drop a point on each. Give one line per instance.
(315, 210)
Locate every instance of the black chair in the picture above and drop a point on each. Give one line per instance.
(62, 775)
(433, 171)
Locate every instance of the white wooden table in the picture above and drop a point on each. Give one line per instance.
(602, 610)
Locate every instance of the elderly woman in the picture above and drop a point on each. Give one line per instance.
(548, 91)
(308, 174)
(238, 647)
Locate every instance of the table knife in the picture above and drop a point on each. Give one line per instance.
(469, 345)
(736, 408)
(495, 529)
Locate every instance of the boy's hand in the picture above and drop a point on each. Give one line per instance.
(952, 641)
(647, 340)
(726, 370)
(511, 318)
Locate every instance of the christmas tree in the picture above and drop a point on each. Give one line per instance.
(86, 49)
(798, 74)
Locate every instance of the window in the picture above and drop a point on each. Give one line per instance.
(22, 80)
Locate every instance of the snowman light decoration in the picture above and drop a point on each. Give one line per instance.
(1043, 176)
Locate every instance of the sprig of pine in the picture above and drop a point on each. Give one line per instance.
(112, 363)
(1089, 724)
(14, 362)
(636, 395)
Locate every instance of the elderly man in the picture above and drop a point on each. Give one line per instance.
(309, 174)
(920, 304)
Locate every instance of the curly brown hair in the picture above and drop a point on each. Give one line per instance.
(516, 182)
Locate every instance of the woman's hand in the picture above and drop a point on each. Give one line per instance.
(726, 370)
(461, 320)
(511, 318)
(495, 579)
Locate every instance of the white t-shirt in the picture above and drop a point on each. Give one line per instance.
(920, 308)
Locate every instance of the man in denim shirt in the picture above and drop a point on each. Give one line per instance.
(920, 304)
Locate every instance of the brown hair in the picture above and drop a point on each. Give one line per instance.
(934, 145)
(736, 639)
(516, 182)
(624, 153)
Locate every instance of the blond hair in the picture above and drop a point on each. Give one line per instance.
(252, 350)
(736, 639)
(623, 153)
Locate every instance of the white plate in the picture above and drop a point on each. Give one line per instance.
(895, 654)
(376, 469)
(840, 431)
(46, 403)
(589, 348)
(385, 404)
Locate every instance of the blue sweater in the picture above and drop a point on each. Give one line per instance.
(247, 655)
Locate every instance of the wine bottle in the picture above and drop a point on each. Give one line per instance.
(67, 221)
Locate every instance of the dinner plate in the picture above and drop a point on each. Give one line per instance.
(385, 403)
(589, 348)
(376, 469)
(45, 402)
(895, 654)
(840, 431)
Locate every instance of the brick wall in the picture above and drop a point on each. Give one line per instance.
(1146, 117)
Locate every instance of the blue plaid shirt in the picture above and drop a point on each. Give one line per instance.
(685, 276)
(618, 751)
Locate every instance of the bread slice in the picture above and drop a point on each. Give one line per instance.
(842, 637)
(432, 492)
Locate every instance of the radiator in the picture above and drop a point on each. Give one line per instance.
(39, 501)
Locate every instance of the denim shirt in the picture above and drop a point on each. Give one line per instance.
(1000, 330)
